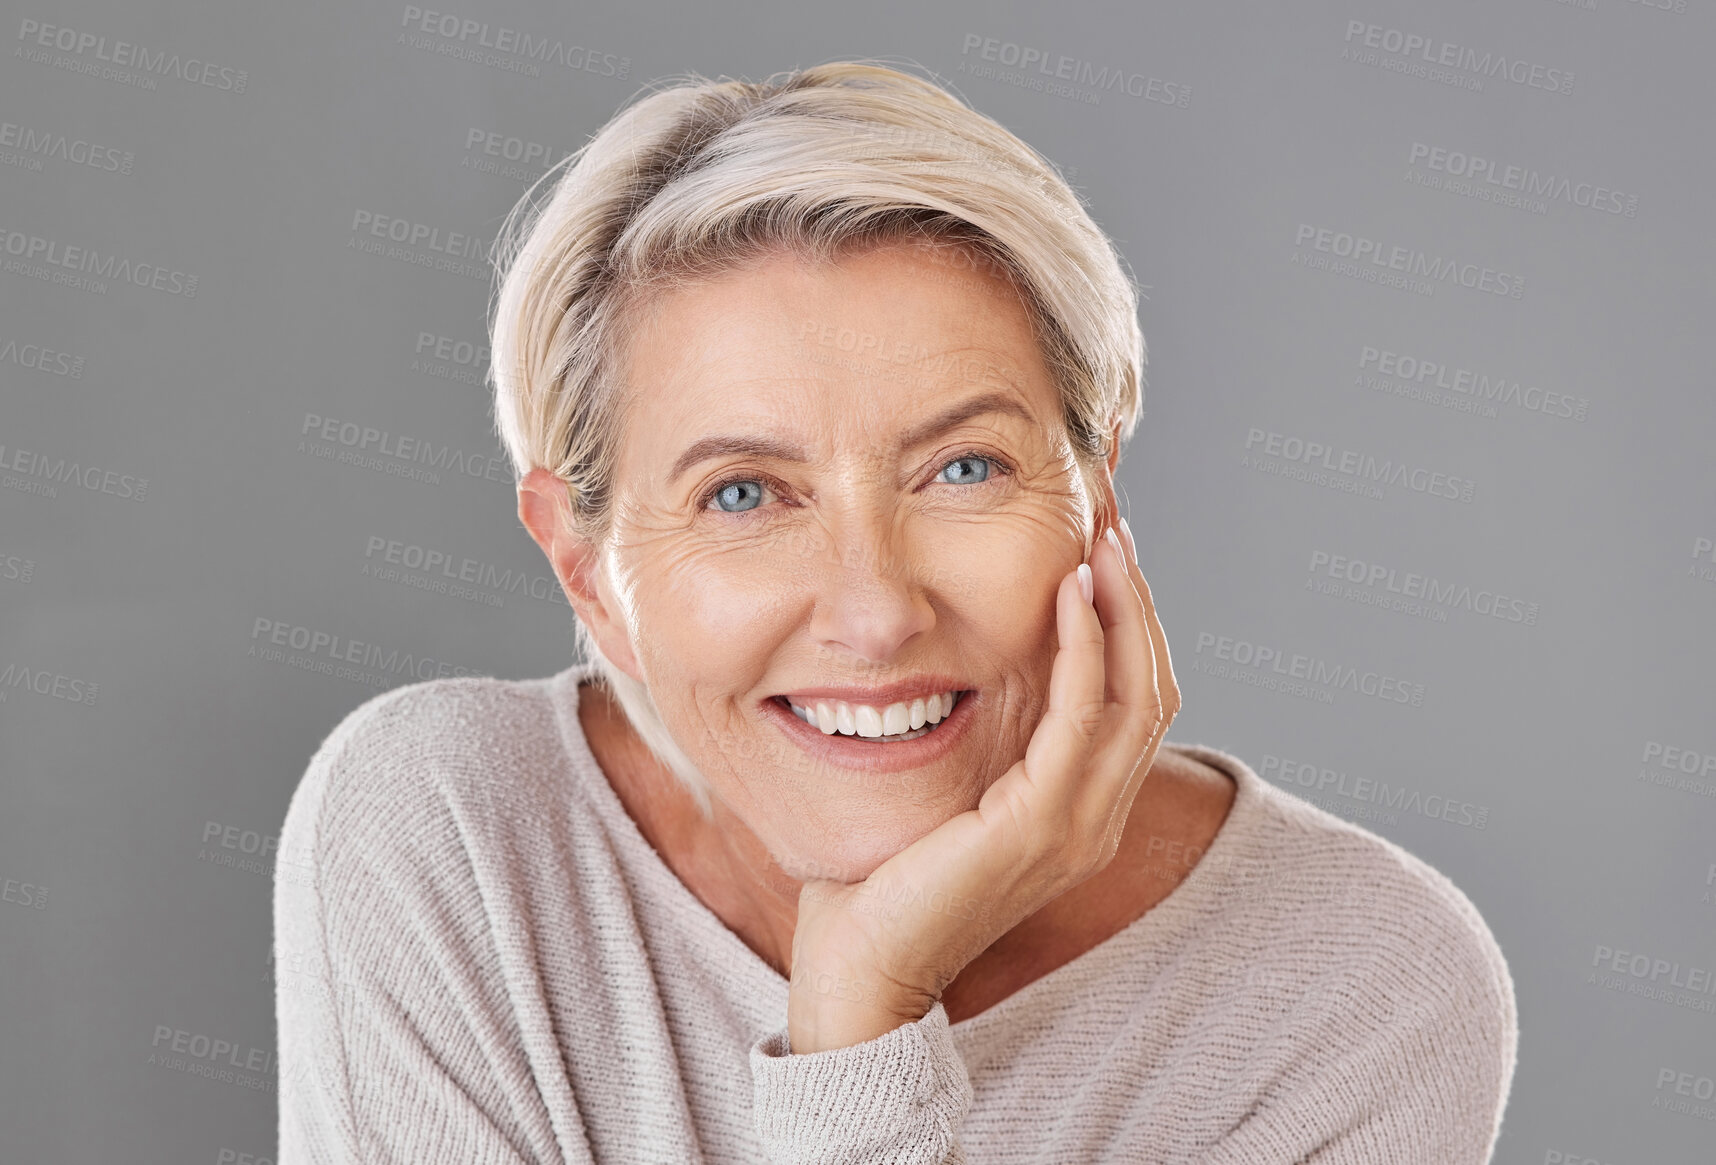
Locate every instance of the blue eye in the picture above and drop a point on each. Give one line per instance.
(972, 459)
(746, 493)
(734, 492)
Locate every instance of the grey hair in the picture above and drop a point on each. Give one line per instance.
(702, 176)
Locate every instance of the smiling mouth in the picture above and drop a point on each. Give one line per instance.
(809, 717)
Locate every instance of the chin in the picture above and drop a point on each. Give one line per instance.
(855, 853)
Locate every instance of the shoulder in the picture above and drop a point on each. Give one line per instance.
(1322, 904)
(1362, 1004)
(1379, 919)
(400, 764)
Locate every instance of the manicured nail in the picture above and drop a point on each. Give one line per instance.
(1086, 584)
(1131, 545)
(1114, 541)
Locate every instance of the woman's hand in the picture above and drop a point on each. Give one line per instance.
(871, 956)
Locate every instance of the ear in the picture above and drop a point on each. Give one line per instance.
(1107, 502)
(545, 508)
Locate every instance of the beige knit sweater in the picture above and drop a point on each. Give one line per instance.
(481, 960)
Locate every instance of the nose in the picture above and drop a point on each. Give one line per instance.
(872, 595)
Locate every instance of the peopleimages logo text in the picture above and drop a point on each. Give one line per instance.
(42, 143)
(1522, 179)
(1400, 43)
(127, 55)
(1075, 70)
(502, 39)
(1420, 264)
(30, 248)
(340, 649)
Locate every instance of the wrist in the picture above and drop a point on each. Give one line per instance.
(828, 1010)
(826, 1030)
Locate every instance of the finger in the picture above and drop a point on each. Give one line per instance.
(1165, 681)
(1059, 749)
(1134, 700)
(1167, 684)
(1168, 687)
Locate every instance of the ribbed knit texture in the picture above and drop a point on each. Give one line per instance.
(481, 960)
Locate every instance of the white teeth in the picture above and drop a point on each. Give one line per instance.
(865, 721)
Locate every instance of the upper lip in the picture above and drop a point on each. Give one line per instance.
(881, 696)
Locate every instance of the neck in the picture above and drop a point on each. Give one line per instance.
(718, 859)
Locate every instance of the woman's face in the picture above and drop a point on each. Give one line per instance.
(866, 546)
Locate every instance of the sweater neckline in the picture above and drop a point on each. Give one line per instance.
(1156, 931)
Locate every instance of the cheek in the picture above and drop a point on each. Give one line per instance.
(704, 615)
(1010, 582)
(1012, 622)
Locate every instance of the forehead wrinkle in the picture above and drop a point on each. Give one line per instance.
(941, 372)
(993, 403)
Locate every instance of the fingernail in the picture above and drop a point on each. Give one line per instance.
(1086, 584)
(1132, 546)
(1114, 541)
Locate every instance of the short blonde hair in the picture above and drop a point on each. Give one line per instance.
(703, 176)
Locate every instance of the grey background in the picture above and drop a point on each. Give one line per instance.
(147, 754)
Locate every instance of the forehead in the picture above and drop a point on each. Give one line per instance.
(860, 348)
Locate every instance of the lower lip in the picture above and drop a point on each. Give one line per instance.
(876, 756)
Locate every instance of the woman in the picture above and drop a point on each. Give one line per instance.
(858, 839)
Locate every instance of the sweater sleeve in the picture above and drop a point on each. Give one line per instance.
(388, 1052)
(898, 1099)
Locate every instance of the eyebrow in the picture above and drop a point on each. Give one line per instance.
(768, 447)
